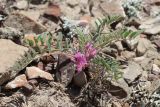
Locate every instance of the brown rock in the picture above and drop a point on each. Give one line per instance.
(112, 7)
(34, 72)
(10, 53)
(23, 23)
(53, 10)
(87, 18)
(19, 81)
(65, 69)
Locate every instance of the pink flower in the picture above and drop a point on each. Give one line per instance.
(90, 51)
(80, 61)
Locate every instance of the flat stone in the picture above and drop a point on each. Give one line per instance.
(142, 46)
(35, 72)
(19, 81)
(132, 72)
(113, 7)
(10, 53)
(65, 69)
(23, 23)
(151, 26)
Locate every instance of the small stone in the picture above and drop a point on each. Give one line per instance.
(139, 59)
(155, 69)
(132, 72)
(113, 7)
(119, 46)
(157, 43)
(18, 82)
(128, 54)
(27, 88)
(132, 43)
(87, 18)
(21, 4)
(72, 2)
(152, 77)
(35, 72)
(80, 79)
(24, 24)
(53, 10)
(142, 46)
(65, 69)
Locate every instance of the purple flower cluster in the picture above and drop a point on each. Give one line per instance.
(81, 59)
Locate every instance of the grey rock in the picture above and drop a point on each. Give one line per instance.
(80, 79)
(143, 45)
(132, 43)
(10, 53)
(128, 54)
(132, 72)
(119, 46)
(155, 69)
(151, 26)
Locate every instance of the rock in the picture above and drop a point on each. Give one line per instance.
(110, 51)
(23, 4)
(157, 43)
(131, 44)
(117, 90)
(80, 79)
(119, 46)
(65, 69)
(23, 23)
(128, 54)
(32, 14)
(27, 89)
(139, 59)
(87, 18)
(113, 7)
(53, 10)
(152, 77)
(142, 46)
(72, 3)
(70, 12)
(146, 64)
(132, 72)
(18, 82)
(10, 53)
(151, 26)
(155, 69)
(34, 72)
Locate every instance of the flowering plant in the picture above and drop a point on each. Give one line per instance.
(82, 59)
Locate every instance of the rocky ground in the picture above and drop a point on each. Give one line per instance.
(43, 74)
